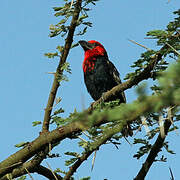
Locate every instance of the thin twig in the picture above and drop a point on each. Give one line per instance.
(67, 47)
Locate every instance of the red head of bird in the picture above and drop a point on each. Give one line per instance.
(92, 49)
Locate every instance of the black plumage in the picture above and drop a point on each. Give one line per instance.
(103, 77)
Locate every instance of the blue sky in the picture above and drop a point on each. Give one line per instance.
(25, 84)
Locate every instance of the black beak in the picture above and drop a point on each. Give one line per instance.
(86, 45)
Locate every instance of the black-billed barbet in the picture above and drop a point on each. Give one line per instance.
(100, 74)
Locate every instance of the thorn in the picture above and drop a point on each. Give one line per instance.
(28, 173)
(93, 161)
(170, 118)
(139, 44)
(87, 135)
(71, 4)
(57, 100)
(82, 139)
(161, 126)
(50, 148)
(144, 123)
(168, 1)
(51, 73)
(51, 171)
(173, 49)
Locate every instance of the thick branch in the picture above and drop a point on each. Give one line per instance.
(41, 142)
(156, 148)
(31, 165)
(59, 71)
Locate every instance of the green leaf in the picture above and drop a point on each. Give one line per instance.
(21, 178)
(71, 161)
(58, 170)
(61, 110)
(52, 27)
(51, 55)
(60, 48)
(62, 21)
(85, 178)
(80, 33)
(83, 144)
(9, 176)
(157, 33)
(35, 123)
(87, 24)
(66, 67)
(57, 8)
(75, 154)
(84, 16)
(166, 146)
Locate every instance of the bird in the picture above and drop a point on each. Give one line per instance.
(100, 74)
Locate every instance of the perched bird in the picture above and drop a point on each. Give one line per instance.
(100, 74)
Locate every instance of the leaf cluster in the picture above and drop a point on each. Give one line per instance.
(166, 38)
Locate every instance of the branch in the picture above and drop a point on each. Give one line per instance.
(47, 173)
(92, 147)
(31, 165)
(44, 139)
(156, 148)
(76, 165)
(145, 74)
(59, 71)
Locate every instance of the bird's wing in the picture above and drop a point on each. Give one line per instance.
(116, 76)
